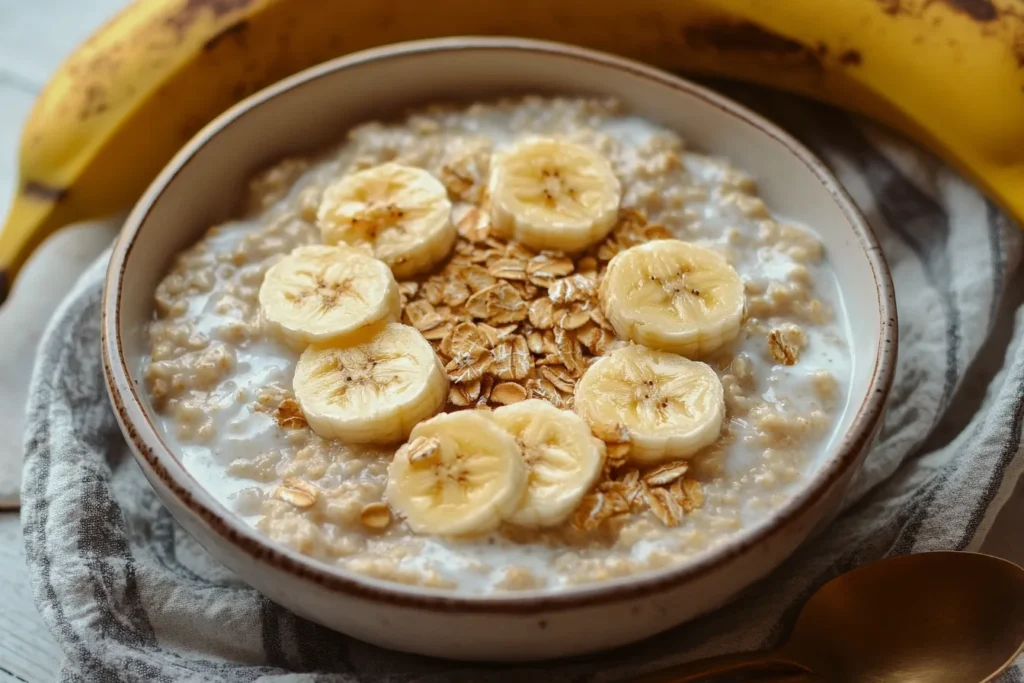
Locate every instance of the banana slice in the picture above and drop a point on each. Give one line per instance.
(551, 194)
(316, 294)
(563, 457)
(673, 296)
(669, 406)
(400, 212)
(373, 392)
(459, 474)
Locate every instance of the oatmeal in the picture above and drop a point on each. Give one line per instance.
(630, 356)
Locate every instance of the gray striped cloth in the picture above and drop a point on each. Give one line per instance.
(131, 597)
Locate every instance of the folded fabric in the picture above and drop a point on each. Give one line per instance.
(130, 596)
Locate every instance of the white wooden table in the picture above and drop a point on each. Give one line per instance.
(34, 37)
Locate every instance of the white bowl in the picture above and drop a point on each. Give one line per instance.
(203, 182)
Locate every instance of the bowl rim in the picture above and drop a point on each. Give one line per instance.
(150, 448)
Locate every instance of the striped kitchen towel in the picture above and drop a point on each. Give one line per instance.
(131, 597)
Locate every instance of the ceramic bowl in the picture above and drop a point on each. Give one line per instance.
(204, 181)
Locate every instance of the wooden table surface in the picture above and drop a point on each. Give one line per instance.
(34, 37)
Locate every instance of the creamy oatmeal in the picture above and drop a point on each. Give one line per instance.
(503, 323)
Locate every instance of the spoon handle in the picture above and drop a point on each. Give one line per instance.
(739, 662)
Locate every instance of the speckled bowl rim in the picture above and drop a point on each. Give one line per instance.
(230, 528)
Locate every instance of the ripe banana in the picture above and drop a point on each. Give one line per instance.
(318, 294)
(459, 474)
(563, 458)
(945, 72)
(402, 214)
(664, 406)
(551, 194)
(673, 296)
(373, 391)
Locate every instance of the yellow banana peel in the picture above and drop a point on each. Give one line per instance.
(947, 73)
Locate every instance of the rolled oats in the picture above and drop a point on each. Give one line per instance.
(289, 415)
(572, 316)
(503, 332)
(455, 293)
(666, 474)
(421, 449)
(469, 339)
(476, 277)
(543, 269)
(549, 347)
(507, 393)
(617, 454)
(575, 288)
(467, 366)
(664, 506)
(508, 269)
(376, 516)
(549, 359)
(542, 314)
(785, 343)
(514, 250)
(300, 494)
(465, 167)
(617, 434)
(475, 225)
(432, 291)
(486, 390)
(591, 512)
(598, 317)
(464, 395)
(780, 350)
(570, 352)
(407, 290)
(561, 378)
(694, 493)
(535, 342)
(594, 338)
(498, 304)
(422, 316)
(512, 358)
(542, 388)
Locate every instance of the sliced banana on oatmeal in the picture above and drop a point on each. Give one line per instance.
(374, 391)
(460, 473)
(669, 407)
(401, 213)
(673, 296)
(564, 460)
(318, 293)
(553, 194)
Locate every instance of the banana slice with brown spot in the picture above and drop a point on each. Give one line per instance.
(373, 392)
(553, 194)
(317, 294)
(401, 213)
(673, 296)
(668, 407)
(460, 474)
(564, 460)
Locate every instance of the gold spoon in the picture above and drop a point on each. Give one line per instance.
(940, 617)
